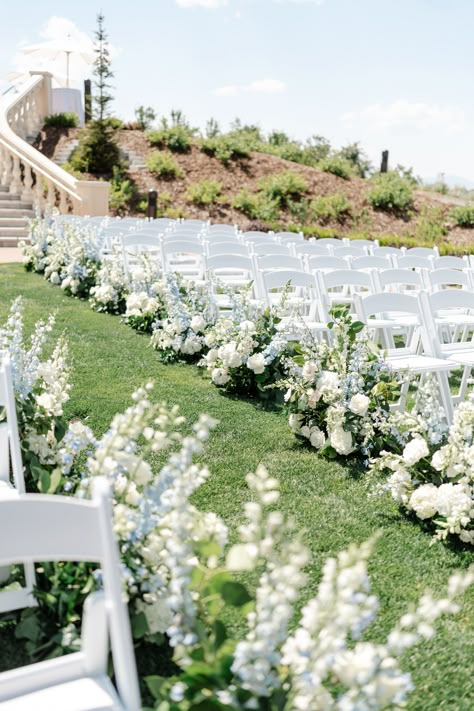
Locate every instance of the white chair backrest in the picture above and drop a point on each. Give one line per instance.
(413, 262)
(350, 251)
(399, 280)
(39, 527)
(198, 224)
(439, 278)
(227, 247)
(384, 251)
(326, 263)
(252, 234)
(451, 299)
(423, 252)
(311, 248)
(330, 241)
(370, 243)
(181, 246)
(339, 286)
(139, 239)
(449, 262)
(371, 262)
(262, 248)
(257, 238)
(225, 229)
(290, 236)
(278, 261)
(230, 262)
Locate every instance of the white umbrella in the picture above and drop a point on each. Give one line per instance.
(69, 46)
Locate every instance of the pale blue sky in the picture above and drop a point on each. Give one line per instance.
(393, 74)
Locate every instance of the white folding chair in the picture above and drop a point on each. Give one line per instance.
(388, 251)
(289, 237)
(350, 251)
(449, 262)
(134, 244)
(302, 305)
(233, 271)
(310, 248)
(371, 244)
(186, 257)
(447, 278)
(41, 528)
(413, 261)
(422, 252)
(340, 286)
(12, 483)
(326, 264)
(414, 355)
(267, 248)
(227, 247)
(371, 262)
(452, 334)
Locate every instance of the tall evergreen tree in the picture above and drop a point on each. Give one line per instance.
(102, 72)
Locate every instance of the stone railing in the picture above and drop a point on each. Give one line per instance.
(26, 171)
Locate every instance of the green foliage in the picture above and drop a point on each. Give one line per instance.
(283, 187)
(212, 128)
(122, 192)
(62, 120)
(176, 138)
(354, 155)
(337, 166)
(331, 207)
(390, 192)
(145, 115)
(97, 151)
(256, 206)
(163, 165)
(102, 72)
(206, 192)
(225, 147)
(463, 216)
(430, 228)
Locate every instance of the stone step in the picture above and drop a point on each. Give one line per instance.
(13, 222)
(10, 242)
(16, 212)
(10, 196)
(14, 204)
(13, 232)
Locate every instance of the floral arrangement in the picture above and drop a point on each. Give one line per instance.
(41, 234)
(190, 312)
(431, 472)
(322, 663)
(108, 293)
(247, 349)
(338, 395)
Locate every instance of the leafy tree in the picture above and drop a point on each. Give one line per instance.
(145, 116)
(212, 128)
(354, 154)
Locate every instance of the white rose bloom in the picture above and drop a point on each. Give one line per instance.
(313, 397)
(438, 460)
(305, 432)
(309, 370)
(54, 278)
(210, 339)
(359, 404)
(414, 451)
(317, 438)
(229, 356)
(328, 380)
(341, 440)
(220, 376)
(247, 327)
(256, 362)
(241, 557)
(423, 501)
(198, 323)
(211, 356)
(453, 500)
(45, 400)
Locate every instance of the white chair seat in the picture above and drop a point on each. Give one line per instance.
(418, 363)
(86, 694)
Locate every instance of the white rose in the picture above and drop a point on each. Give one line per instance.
(54, 278)
(45, 400)
(230, 356)
(247, 327)
(256, 362)
(211, 356)
(328, 380)
(313, 397)
(317, 438)
(438, 460)
(143, 473)
(305, 432)
(414, 451)
(220, 376)
(341, 440)
(309, 370)
(198, 323)
(241, 557)
(423, 501)
(359, 404)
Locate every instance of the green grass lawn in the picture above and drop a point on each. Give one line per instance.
(329, 501)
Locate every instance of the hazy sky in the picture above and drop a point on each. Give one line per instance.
(394, 74)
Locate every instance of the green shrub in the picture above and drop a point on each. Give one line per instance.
(390, 192)
(63, 120)
(122, 192)
(463, 216)
(337, 166)
(283, 187)
(176, 138)
(354, 154)
(224, 148)
(331, 207)
(163, 165)
(204, 193)
(145, 116)
(97, 151)
(256, 206)
(430, 228)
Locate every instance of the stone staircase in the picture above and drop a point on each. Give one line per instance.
(14, 216)
(65, 151)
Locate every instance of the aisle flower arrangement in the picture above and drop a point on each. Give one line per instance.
(432, 474)
(190, 312)
(338, 395)
(109, 291)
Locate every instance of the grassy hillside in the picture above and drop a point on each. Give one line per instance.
(260, 190)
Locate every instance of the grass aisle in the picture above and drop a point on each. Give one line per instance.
(328, 500)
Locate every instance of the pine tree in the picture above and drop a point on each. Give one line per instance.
(102, 71)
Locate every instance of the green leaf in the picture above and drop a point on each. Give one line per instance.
(220, 634)
(55, 481)
(155, 684)
(235, 594)
(29, 627)
(44, 481)
(139, 625)
(218, 580)
(60, 428)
